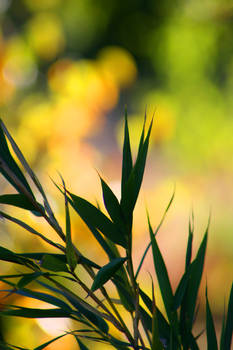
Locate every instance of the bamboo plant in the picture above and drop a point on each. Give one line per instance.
(45, 275)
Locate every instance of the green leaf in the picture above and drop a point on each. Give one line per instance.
(70, 252)
(189, 304)
(229, 323)
(52, 263)
(113, 207)
(80, 343)
(189, 245)
(156, 343)
(210, 330)
(8, 255)
(47, 298)
(155, 233)
(42, 346)
(133, 185)
(6, 157)
(20, 201)
(61, 257)
(28, 278)
(181, 289)
(95, 218)
(107, 272)
(35, 313)
(127, 163)
(162, 275)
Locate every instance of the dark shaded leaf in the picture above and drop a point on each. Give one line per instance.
(107, 272)
(196, 269)
(8, 255)
(156, 343)
(210, 330)
(95, 218)
(127, 163)
(70, 252)
(155, 233)
(162, 275)
(47, 298)
(35, 313)
(113, 207)
(42, 346)
(133, 185)
(28, 278)
(229, 323)
(80, 343)
(20, 201)
(6, 156)
(52, 263)
(181, 289)
(189, 245)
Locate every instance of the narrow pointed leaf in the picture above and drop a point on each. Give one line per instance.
(194, 281)
(80, 343)
(107, 272)
(20, 201)
(113, 207)
(189, 246)
(8, 255)
(6, 156)
(229, 323)
(43, 346)
(127, 163)
(162, 275)
(95, 218)
(133, 185)
(28, 278)
(210, 329)
(36, 313)
(181, 289)
(156, 343)
(70, 252)
(155, 233)
(52, 263)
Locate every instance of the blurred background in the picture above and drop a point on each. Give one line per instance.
(67, 70)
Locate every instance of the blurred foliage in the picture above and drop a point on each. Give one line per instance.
(68, 67)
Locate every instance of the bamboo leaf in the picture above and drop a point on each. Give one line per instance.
(156, 343)
(189, 245)
(52, 263)
(95, 218)
(229, 323)
(28, 278)
(36, 313)
(80, 343)
(8, 255)
(113, 207)
(20, 201)
(6, 157)
(107, 272)
(181, 289)
(194, 282)
(42, 346)
(127, 163)
(162, 275)
(210, 330)
(155, 233)
(70, 252)
(133, 185)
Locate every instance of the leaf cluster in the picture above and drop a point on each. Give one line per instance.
(51, 277)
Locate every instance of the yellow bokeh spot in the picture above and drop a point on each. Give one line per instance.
(45, 35)
(19, 68)
(120, 64)
(84, 83)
